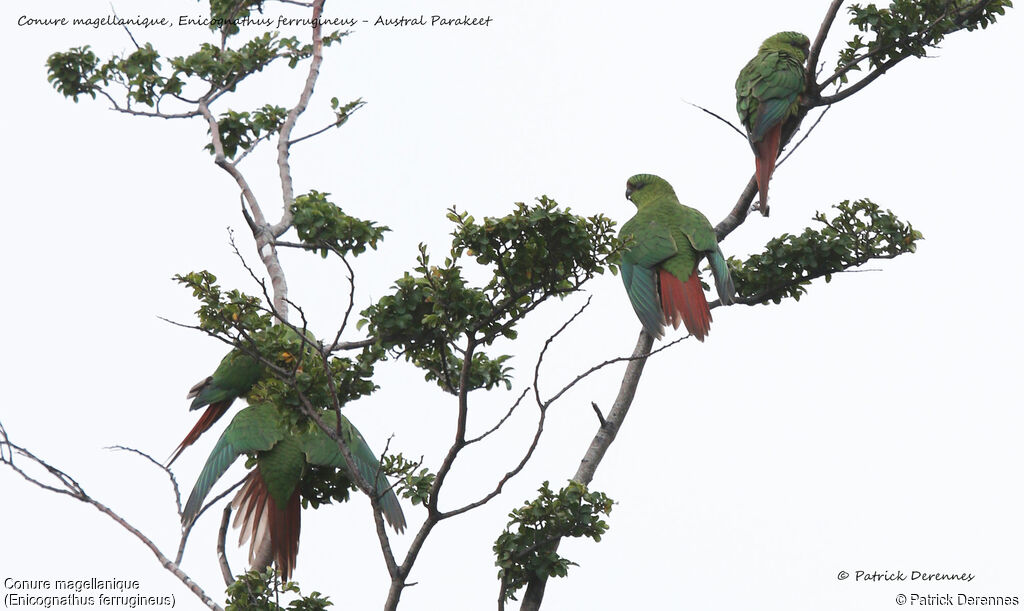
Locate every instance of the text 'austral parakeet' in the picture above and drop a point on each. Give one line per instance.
(659, 269)
(290, 453)
(767, 95)
(233, 378)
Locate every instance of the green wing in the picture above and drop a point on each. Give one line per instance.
(322, 450)
(254, 429)
(652, 243)
(701, 235)
(767, 91)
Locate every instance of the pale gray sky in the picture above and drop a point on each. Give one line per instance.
(874, 425)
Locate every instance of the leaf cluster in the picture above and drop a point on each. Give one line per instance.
(222, 312)
(414, 483)
(302, 371)
(908, 28)
(537, 250)
(241, 130)
(343, 112)
(527, 547)
(224, 14)
(79, 71)
(534, 253)
(858, 233)
(324, 485)
(260, 591)
(323, 226)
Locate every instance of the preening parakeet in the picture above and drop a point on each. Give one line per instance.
(767, 94)
(287, 448)
(233, 378)
(659, 269)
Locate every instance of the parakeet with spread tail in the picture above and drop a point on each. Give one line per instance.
(666, 241)
(768, 93)
(286, 449)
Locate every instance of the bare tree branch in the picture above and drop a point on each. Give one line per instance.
(284, 135)
(222, 557)
(819, 41)
(600, 443)
(68, 486)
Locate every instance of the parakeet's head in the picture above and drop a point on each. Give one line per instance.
(643, 188)
(792, 43)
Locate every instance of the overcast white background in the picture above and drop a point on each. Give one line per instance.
(875, 425)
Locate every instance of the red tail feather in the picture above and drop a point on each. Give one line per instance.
(258, 516)
(284, 533)
(765, 153)
(685, 302)
(211, 415)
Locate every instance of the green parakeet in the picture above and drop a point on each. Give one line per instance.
(286, 448)
(233, 378)
(659, 269)
(767, 94)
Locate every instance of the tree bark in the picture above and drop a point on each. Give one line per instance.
(599, 445)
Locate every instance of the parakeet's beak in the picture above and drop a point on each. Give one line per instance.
(629, 191)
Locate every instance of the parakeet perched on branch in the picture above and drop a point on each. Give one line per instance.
(287, 448)
(233, 378)
(767, 95)
(666, 242)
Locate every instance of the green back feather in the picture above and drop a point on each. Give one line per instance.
(769, 86)
(235, 376)
(664, 234)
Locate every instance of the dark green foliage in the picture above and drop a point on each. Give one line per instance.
(526, 549)
(240, 130)
(140, 73)
(484, 372)
(301, 371)
(908, 28)
(222, 312)
(536, 250)
(73, 73)
(325, 485)
(224, 13)
(412, 484)
(260, 591)
(535, 253)
(323, 226)
(860, 232)
(78, 71)
(225, 68)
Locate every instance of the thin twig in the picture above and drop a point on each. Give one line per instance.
(503, 418)
(113, 12)
(161, 466)
(805, 136)
(719, 117)
(543, 351)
